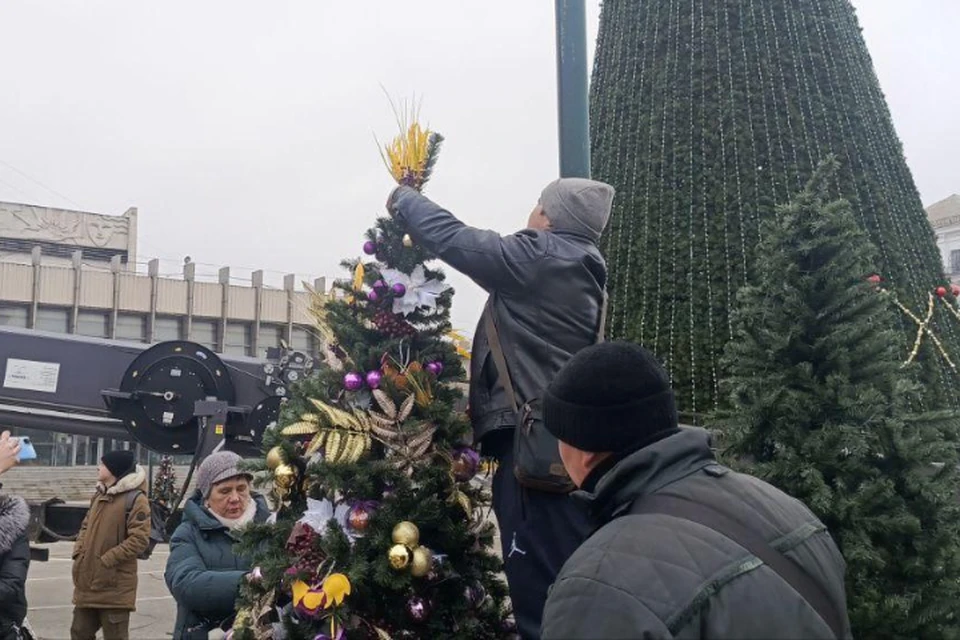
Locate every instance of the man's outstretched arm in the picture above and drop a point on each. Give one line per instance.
(495, 262)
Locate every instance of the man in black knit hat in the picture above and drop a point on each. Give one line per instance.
(685, 547)
(115, 530)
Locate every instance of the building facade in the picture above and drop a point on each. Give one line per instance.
(944, 217)
(59, 233)
(74, 272)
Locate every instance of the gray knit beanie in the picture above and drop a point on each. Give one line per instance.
(578, 205)
(217, 467)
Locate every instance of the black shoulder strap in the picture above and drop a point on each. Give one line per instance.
(130, 498)
(808, 588)
(496, 350)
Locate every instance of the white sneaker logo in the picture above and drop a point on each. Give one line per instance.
(514, 548)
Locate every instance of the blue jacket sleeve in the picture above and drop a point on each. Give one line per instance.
(505, 264)
(211, 594)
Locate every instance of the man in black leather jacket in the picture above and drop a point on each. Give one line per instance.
(546, 288)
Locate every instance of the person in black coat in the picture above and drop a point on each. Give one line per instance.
(14, 561)
(686, 548)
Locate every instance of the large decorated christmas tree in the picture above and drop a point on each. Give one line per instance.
(381, 529)
(705, 116)
(821, 408)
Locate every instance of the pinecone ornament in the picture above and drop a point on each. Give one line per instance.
(393, 325)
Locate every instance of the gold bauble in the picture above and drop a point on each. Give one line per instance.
(407, 240)
(422, 562)
(274, 458)
(284, 477)
(406, 533)
(399, 556)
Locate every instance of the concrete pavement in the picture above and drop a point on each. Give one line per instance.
(50, 589)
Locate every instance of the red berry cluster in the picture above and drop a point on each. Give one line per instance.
(393, 325)
(302, 546)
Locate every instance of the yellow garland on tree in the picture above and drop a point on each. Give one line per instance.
(923, 327)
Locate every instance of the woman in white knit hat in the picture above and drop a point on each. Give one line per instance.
(203, 573)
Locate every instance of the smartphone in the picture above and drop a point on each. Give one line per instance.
(27, 452)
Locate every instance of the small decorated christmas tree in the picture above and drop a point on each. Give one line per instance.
(165, 483)
(824, 408)
(381, 529)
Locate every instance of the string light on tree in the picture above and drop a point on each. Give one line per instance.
(708, 116)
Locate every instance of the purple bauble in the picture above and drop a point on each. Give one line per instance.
(374, 378)
(466, 461)
(373, 296)
(436, 367)
(399, 289)
(369, 247)
(380, 285)
(418, 609)
(353, 381)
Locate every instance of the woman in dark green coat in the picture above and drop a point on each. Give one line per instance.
(203, 573)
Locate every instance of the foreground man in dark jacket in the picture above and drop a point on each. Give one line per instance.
(658, 567)
(546, 290)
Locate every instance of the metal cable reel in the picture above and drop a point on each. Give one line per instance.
(159, 391)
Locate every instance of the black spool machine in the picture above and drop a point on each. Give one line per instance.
(177, 398)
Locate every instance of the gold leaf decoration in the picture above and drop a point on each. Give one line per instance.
(406, 444)
(341, 434)
(302, 428)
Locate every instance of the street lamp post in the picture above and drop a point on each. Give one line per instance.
(573, 108)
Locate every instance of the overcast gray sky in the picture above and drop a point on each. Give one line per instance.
(243, 131)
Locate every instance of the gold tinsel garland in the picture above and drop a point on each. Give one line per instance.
(923, 327)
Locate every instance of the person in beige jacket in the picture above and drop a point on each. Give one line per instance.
(105, 554)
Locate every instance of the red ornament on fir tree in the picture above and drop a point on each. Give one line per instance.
(360, 513)
(875, 279)
(955, 290)
(941, 291)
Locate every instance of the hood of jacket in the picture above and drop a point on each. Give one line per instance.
(203, 519)
(14, 519)
(647, 470)
(129, 482)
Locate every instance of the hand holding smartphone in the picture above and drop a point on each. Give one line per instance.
(27, 452)
(9, 451)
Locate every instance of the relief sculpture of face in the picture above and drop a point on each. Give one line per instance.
(101, 230)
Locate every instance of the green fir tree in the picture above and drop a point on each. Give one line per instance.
(822, 408)
(165, 483)
(706, 116)
(375, 441)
